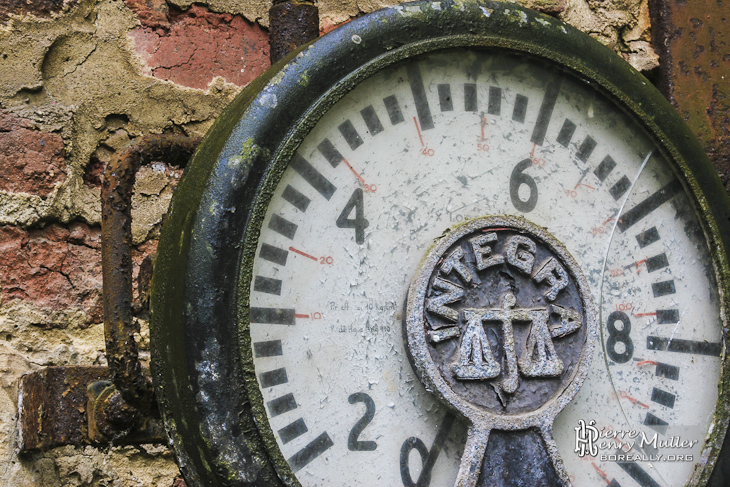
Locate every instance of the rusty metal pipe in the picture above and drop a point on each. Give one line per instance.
(116, 231)
(292, 23)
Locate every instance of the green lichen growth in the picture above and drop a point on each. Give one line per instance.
(250, 151)
(516, 16)
(277, 78)
(304, 79)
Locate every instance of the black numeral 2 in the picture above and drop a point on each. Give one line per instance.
(352, 441)
(359, 223)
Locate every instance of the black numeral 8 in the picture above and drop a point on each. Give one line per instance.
(619, 336)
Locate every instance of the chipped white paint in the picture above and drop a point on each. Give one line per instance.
(235, 161)
(268, 100)
(407, 9)
(417, 182)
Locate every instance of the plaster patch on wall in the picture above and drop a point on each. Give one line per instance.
(622, 25)
(91, 73)
(51, 339)
(152, 194)
(132, 466)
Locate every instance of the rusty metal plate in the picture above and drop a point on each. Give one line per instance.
(71, 406)
(52, 406)
(692, 39)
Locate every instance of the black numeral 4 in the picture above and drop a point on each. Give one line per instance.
(359, 223)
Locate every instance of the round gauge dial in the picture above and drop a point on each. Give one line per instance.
(469, 262)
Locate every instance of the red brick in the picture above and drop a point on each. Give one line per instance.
(199, 45)
(151, 13)
(55, 268)
(32, 161)
(58, 268)
(327, 25)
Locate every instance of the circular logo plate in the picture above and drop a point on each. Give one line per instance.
(500, 319)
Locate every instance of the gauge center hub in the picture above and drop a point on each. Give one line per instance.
(498, 313)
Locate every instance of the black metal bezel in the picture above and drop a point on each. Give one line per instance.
(202, 361)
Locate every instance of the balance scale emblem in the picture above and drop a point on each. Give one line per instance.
(456, 281)
(538, 357)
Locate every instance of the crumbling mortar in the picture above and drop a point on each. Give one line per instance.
(80, 63)
(71, 199)
(255, 11)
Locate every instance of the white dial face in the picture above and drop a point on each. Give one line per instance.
(408, 154)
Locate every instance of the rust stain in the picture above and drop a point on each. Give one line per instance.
(292, 23)
(116, 207)
(693, 41)
(54, 412)
(65, 422)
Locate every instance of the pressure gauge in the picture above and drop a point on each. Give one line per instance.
(448, 244)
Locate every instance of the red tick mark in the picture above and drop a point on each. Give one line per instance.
(297, 251)
(353, 171)
(583, 184)
(419, 132)
(624, 395)
(601, 472)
